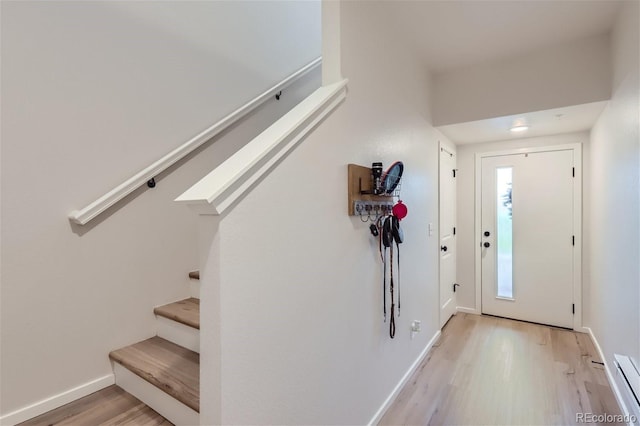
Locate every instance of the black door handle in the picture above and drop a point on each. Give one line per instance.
(487, 233)
(443, 248)
(487, 245)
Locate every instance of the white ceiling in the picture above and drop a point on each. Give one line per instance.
(454, 33)
(541, 123)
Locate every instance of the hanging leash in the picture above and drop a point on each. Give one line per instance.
(383, 258)
(398, 248)
(400, 211)
(389, 231)
(392, 322)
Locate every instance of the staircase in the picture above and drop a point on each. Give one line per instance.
(164, 371)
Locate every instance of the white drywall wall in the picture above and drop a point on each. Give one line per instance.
(571, 73)
(466, 205)
(169, 71)
(615, 202)
(302, 337)
(91, 93)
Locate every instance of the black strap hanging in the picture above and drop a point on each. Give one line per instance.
(392, 321)
(398, 249)
(383, 258)
(389, 232)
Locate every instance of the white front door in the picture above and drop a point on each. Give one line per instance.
(527, 236)
(447, 232)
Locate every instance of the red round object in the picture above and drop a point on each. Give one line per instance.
(399, 210)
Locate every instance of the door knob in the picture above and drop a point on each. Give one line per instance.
(487, 245)
(443, 248)
(487, 233)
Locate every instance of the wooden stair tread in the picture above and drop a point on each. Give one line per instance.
(170, 367)
(111, 405)
(194, 275)
(185, 311)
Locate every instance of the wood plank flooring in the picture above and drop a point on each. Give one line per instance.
(170, 367)
(185, 311)
(109, 406)
(487, 371)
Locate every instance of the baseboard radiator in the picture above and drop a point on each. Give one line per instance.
(631, 377)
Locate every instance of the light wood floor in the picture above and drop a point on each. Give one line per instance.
(487, 371)
(109, 406)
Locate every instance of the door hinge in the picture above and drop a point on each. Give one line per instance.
(454, 172)
(573, 240)
(573, 308)
(454, 230)
(573, 172)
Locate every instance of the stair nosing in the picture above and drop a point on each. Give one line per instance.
(121, 358)
(177, 318)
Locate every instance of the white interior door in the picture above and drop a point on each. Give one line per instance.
(447, 237)
(527, 242)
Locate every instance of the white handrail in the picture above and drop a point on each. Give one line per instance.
(86, 214)
(222, 187)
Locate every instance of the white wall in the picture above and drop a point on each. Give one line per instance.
(571, 73)
(466, 206)
(615, 204)
(91, 93)
(170, 70)
(302, 337)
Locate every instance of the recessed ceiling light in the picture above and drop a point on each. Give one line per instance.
(517, 129)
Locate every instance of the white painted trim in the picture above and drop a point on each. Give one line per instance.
(545, 148)
(167, 406)
(627, 369)
(331, 69)
(577, 229)
(577, 221)
(194, 288)
(612, 382)
(178, 333)
(89, 212)
(221, 188)
(472, 311)
(56, 401)
(477, 239)
(394, 393)
(452, 151)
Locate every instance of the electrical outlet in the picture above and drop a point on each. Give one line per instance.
(415, 328)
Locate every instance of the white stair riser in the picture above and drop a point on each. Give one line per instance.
(167, 406)
(178, 333)
(194, 288)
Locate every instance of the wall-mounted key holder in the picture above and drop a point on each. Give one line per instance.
(364, 184)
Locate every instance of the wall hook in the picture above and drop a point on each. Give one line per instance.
(278, 95)
(151, 183)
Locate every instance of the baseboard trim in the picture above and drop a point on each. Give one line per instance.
(56, 401)
(464, 310)
(612, 381)
(394, 393)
